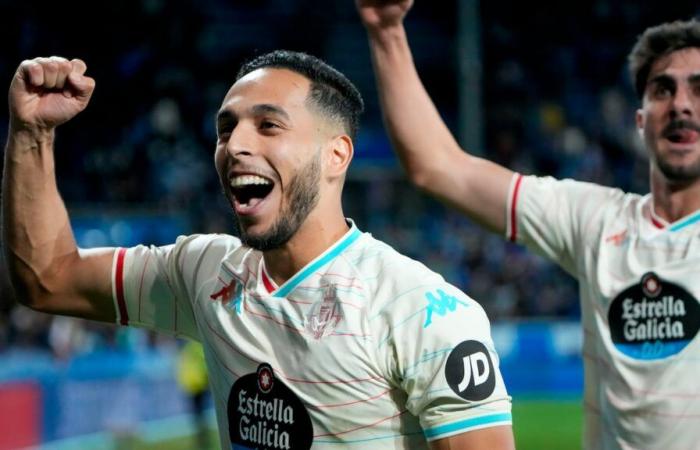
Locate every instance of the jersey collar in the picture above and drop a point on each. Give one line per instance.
(678, 225)
(324, 258)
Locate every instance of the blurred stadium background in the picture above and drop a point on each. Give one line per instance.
(541, 88)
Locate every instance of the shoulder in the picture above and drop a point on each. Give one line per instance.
(197, 248)
(400, 285)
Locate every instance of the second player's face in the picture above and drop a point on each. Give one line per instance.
(268, 155)
(669, 119)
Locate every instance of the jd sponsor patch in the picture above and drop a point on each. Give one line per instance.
(263, 413)
(469, 371)
(653, 319)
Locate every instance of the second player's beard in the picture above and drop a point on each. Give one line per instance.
(678, 174)
(302, 197)
(675, 174)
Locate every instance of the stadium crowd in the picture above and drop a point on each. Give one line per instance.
(554, 101)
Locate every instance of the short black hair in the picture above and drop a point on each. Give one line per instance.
(330, 90)
(657, 42)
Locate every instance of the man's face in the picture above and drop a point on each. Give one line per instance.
(268, 155)
(669, 119)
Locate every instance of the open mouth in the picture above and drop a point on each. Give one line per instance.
(249, 190)
(682, 136)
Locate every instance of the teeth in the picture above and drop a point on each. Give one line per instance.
(247, 180)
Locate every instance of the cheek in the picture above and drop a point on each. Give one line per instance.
(219, 158)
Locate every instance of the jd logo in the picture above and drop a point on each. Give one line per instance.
(440, 304)
(469, 371)
(474, 365)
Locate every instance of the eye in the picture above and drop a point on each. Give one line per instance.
(662, 90)
(223, 133)
(268, 124)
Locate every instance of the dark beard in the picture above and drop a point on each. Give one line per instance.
(679, 174)
(302, 197)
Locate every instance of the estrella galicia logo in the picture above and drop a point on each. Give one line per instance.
(653, 319)
(264, 414)
(469, 371)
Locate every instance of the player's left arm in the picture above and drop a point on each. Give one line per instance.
(494, 438)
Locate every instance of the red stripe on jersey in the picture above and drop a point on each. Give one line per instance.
(266, 281)
(513, 212)
(657, 224)
(119, 280)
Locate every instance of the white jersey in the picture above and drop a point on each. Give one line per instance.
(639, 284)
(363, 348)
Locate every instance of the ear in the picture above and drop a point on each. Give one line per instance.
(339, 155)
(639, 119)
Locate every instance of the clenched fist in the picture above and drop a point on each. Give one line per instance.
(46, 92)
(382, 13)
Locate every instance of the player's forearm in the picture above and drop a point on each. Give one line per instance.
(422, 140)
(36, 231)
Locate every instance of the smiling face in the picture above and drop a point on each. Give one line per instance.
(669, 120)
(269, 155)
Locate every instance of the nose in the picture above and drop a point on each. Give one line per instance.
(682, 102)
(240, 143)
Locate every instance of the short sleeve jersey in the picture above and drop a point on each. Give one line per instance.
(639, 281)
(362, 348)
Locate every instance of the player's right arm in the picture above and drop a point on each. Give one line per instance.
(48, 271)
(428, 151)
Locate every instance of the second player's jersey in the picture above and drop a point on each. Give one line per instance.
(363, 348)
(639, 284)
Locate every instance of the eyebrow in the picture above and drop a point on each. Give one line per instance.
(666, 79)
(266, 108)
(257, 110)
(661, 79)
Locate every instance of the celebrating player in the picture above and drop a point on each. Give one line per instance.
(637, 258)
(315, 334)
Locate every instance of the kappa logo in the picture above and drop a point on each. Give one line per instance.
(230, 295)
(440, 305)
(469, 371)
(617, 239)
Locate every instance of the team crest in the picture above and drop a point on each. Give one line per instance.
(324, 315)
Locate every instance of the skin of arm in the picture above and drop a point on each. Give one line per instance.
(494, 438)
(428, 151)
(48, 271)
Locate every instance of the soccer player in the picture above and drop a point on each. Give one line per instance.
(637, 258)
(315, 334)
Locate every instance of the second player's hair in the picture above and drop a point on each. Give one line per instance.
(657, 42)
(330, 90)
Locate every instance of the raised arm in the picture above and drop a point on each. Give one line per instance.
(428, 151)
(48, 271)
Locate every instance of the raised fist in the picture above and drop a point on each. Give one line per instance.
(46, 92)
(382, 13)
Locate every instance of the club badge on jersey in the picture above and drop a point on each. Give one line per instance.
(263, 413)
(653, 319)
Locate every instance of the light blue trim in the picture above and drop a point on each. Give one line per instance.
(313, 267)
(684, 223)
(465, 425)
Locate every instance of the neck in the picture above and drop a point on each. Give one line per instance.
(314, 237)
(673, 201)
